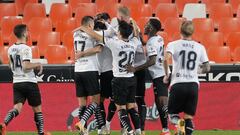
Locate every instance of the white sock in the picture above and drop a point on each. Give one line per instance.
(165, 130)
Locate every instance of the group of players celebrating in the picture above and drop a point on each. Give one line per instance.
(113, 51)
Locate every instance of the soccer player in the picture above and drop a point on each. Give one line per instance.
(154, 63)
(187, 56)
(24, 80)
(86, 77)
(123, 83)
(104, 56)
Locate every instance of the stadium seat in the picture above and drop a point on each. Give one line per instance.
(60, 54)
(101, 4)
(172, 25)
(238, 12)
(33, 10)
(201, 26)
(35, 52)
(217, 11)
(38, 25)
(20, 4)
(60, 12)
(146, 10)
(219, 54)
(7, 9)
(1, 40)
(154, 3)
(49, 3)
(229, 25)
(233, 40)
(4, 54)
(236, 54)
(47, 38)
(7, 25)
(68, 42)
(166, 10)
(176, 36)
(67, 25)
(209, 2)
(84, 9)
(194, 10)
(112, 9)
(142, 22)
(212, 39)
(74, 3)
(235, 4)
(181, 3)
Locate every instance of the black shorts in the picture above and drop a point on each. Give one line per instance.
(140, 77)
(105, 83)
(124, 90)
(27, 91)
(87, 83)
(183, 98)
(160, 88)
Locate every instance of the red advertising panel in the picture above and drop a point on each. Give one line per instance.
(218, 108)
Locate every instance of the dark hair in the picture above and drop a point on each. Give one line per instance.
(19, 30)
(156, 24)
(98, 24)
(125, 29)
(86, 20)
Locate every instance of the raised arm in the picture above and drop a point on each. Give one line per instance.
(135, 28)
(90, 32)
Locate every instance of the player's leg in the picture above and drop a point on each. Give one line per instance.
(81, 95)
(19, 99)
(161, 100)
(190, 106)
(111, 111)
(140, 94)
(131, 104)
(120, 98)
(175, 106)
(34, 100)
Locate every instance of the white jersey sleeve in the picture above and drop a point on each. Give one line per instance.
(27, 54)
(204, 56)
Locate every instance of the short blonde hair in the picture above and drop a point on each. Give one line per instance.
(187, 29)
(124, 11)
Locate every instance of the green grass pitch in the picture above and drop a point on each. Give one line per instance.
(147, 133)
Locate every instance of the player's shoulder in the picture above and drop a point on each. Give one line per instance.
(173, 43)
(155, 39)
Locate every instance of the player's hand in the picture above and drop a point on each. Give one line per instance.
(40, 68)
(78, 54)
(166, 79)
(130, 68)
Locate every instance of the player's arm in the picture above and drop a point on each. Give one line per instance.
(27, 65)
(151, 61)
(205, 67)
(91, 32)
(135, 28)
(88, 52)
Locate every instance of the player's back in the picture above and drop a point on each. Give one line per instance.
(18, 53)
(83, 41)
(187, 56)
(123, 53)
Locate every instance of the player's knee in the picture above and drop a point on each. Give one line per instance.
(37, 109)
(18, 107)
(120, 107)
(131, 105)
(96, 98)
(112, 106)
(187, 116)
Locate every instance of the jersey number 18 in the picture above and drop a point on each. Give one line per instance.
(190, 61)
